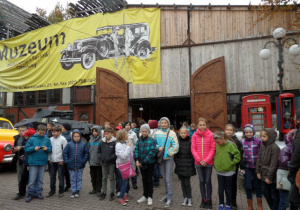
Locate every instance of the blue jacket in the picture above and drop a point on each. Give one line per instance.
(40, 157)
(67, 135)
(76, 154)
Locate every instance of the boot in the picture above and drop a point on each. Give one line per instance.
(259, 204)
(250, 204)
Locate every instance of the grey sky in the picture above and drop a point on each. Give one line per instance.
(30, 5)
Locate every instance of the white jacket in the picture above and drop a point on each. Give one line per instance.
(124, 154)
(132, 138)
(58, 145)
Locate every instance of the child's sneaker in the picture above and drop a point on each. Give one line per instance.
(73, 195)
(112, 197)
(203, 204)
(190, 203)
(102, 196)
(122, 202)
(168, 204)
(184, 202)
(221, 207)
(208, 204)
(60, 195)
(29, 198)
(142, 199)
(39, 197)
(150, 202)
(228, 207)
(125, 198)
(164, 199)
(77, 194)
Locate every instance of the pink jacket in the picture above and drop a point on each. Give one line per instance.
(203, 147)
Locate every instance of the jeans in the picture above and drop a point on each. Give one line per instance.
(76, 179)
(283, 199)
(225, 184)
(35, 183)
(204, 174)
(186, 186)
(249, 175)
(67, 177)
(123, 185)
(271, 194)
(156, 174)
(108, 170)
(96, 177)
(167, 168)
(24, 181)
(147, 174)
(119, 182)
(53, 169)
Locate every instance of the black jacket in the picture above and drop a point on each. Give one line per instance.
(19, 153)
(240, 148)
(184, 160)
(106, 151)
(294, 166)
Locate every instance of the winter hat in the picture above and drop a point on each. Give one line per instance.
(67, 126)
(29, 133)
(165, 118)
(30, 125)
(248, 129)
(153, 124)
(145, 126)
(118, 128)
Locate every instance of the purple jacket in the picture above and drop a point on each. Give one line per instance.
(285, 155)
(251, 148)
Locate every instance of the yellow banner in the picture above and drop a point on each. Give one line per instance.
(67, 53)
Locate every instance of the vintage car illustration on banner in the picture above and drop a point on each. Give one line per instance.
(110, 42)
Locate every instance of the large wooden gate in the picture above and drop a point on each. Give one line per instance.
(112, 98)
(208, 94)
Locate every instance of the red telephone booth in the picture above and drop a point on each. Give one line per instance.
(285, 109)
(256, 110)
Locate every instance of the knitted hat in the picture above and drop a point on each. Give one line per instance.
(67, 126)
(153, 124)
(118, 128)
(167, 119)
(248, 129)
(145, 126)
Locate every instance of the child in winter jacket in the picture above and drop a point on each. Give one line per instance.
(230, 131)
(144, 155)
(203, 149)
(267, 165)
(251, 146)
(193, 129)
(285, 157)
(124, 154)
(37, 147)
(185, 166)
(95, 163)
(56, 162)
(75, 155)
(107, 156)
(225, 160)
(167, 137)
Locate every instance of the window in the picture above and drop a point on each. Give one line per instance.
(30, 98)
(55, 96)
(19, 99)
(83, 94)
(5, 125)
(42, 97)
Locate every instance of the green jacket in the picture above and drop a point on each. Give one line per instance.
(226, 157)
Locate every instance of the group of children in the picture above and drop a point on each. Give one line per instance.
(198, 151)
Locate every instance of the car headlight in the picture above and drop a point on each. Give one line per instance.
(69, 47)
(79, 45)
(7, 147)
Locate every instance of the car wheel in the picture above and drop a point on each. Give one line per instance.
(143, 52)
(88, 60)
(66, 65)
(104, 49)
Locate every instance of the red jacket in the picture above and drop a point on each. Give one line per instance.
(203, 147)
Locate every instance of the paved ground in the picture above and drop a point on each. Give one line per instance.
(8, 188)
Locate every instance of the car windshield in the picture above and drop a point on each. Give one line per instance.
(104, 31)
(5, 125)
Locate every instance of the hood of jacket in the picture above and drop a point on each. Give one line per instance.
(111, 140)
(271, 136)
(251, 126)
(76, 131)
(98, 129)
(289, 137)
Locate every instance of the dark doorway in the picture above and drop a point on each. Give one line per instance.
(176, 109)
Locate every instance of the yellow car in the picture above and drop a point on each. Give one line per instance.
(7, 132)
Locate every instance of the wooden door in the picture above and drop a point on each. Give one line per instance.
(112, 98)
(208, 94)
